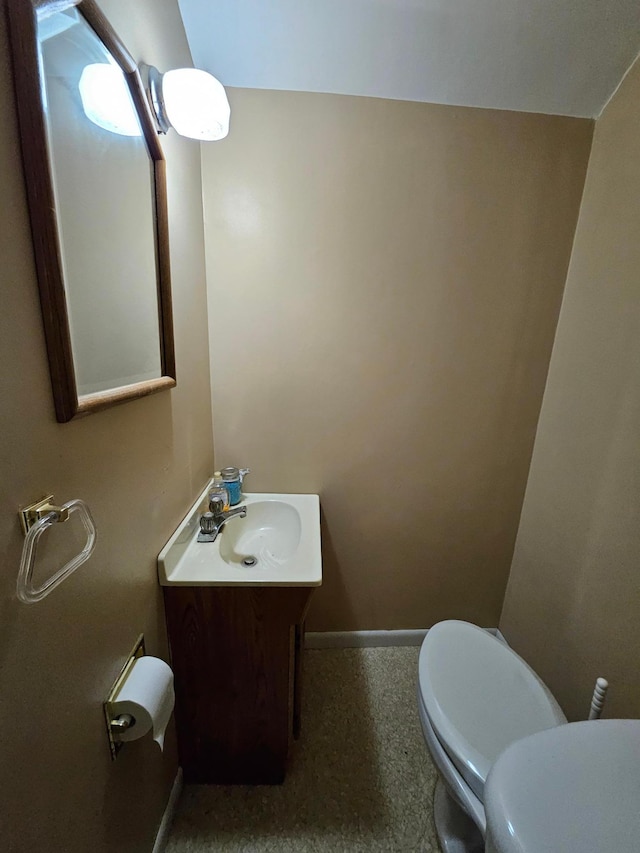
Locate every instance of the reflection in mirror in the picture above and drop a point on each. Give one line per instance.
(103, 187)
(106, 100)
(103, 274)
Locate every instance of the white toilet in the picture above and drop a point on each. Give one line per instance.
(572, 789)
(475, 697)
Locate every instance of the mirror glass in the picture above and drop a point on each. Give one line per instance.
(103, 185)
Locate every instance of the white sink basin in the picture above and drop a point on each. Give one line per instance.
(270, 534)
(281, 533)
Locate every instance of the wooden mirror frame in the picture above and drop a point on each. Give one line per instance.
(22, 16)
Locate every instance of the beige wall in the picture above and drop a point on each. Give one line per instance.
(385, 279)
(573, 602)
(138, 466)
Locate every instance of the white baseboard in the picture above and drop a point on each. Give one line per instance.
(363, 639)
(371, 639)
(167, 818)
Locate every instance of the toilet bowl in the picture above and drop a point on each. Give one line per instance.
(475, 697)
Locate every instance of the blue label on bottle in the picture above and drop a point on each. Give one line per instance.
(233, 488)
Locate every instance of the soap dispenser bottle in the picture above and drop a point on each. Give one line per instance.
(232, 479)
(219, 489)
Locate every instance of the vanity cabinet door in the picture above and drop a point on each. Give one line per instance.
(235, 660)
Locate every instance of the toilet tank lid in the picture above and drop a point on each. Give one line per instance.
(573, 788)
(480, 695)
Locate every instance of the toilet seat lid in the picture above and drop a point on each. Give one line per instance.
(480, 696)
(573, 789)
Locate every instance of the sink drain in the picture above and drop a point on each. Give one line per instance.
(249, 561)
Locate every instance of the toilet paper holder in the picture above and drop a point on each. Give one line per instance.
(121, 723)
(118, 723)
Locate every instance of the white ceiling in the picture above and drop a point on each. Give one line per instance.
(547, 56)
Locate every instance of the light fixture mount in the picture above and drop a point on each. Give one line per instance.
(157, 100)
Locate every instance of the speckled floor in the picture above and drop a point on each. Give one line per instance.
(360, 778)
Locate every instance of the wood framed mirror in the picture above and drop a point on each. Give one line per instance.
(96, 187)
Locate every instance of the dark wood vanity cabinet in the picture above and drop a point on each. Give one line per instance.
(236, 655)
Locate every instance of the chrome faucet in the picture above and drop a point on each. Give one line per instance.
(212, 522)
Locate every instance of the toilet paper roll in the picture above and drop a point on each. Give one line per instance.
(147, 694)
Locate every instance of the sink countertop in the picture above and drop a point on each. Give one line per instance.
(186, 562)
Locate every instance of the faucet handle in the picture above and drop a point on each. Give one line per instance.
(207, 522)
(216, 504)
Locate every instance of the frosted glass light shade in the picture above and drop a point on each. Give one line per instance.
(106, 100)
(196, 104)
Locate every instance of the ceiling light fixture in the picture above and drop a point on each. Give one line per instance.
(191, 101)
